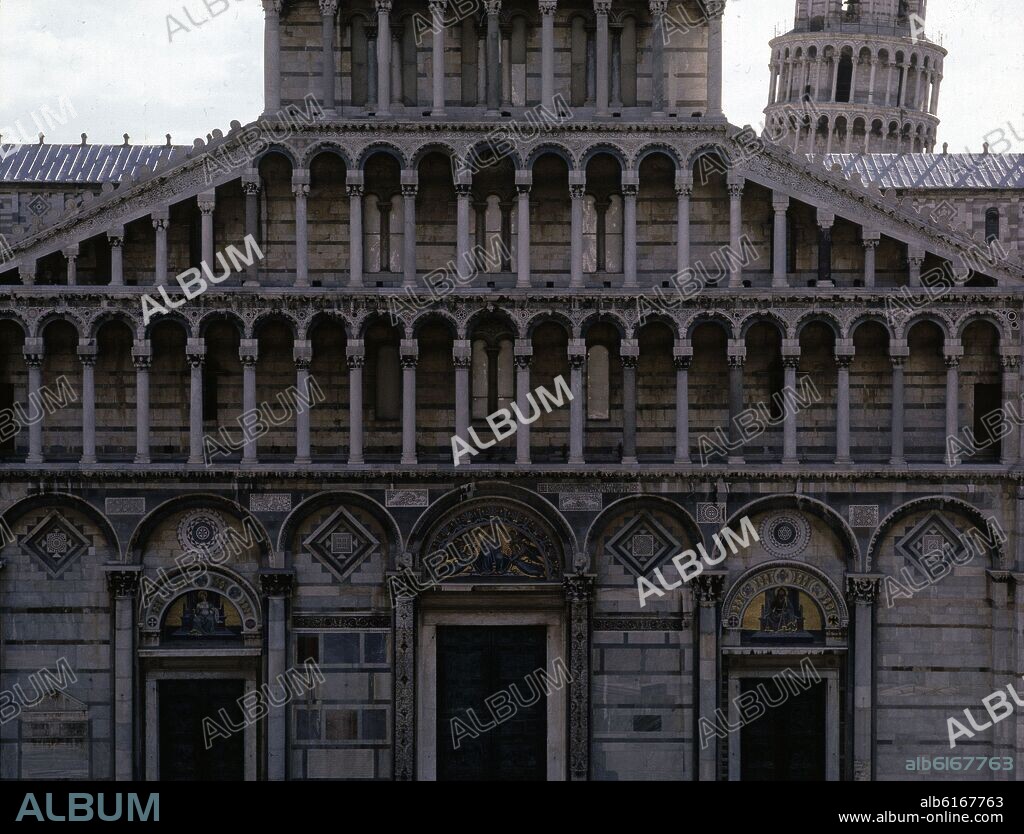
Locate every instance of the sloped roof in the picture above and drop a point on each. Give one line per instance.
(79, 164)
(934, 171)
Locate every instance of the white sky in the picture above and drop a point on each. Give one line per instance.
(115, 64)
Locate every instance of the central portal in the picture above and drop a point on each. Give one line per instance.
(787, 742)
(184, 756)
(475, 663)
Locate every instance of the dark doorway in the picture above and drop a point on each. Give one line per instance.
(183, 754)
(787, 742)
(474, 664)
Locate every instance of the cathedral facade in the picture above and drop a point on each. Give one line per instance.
(761, 515)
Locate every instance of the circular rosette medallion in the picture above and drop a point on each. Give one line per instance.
(785, 535)
(201, 530)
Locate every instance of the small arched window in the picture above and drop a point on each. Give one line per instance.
(992, 225)
(388, 384)
(597, 383)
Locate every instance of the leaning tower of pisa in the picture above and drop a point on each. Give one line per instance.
(856, 76)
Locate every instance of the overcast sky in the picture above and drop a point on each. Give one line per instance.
(123, 71)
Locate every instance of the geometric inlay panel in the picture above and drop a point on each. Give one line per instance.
(933, 534)
(864, 515)
(55, 543)
(785, 535)
(642, 544)
(341, 542)
(202, 531)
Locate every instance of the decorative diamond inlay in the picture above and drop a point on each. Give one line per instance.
(933, 534)
(341, 542)
(643, 544)
(56, 544)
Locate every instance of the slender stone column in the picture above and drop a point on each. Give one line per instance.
(300, 188)
(355, 359)
(579, 592)
(1008, 450)
(658, 9)
(71, 256)
(682, 355)
(737, 355)
(629, 353)
(790, 364)
(88, 351)
(248, 354)
(396, 69)
(437, 10)
(735, 230)
(462, 357)
(328, 10)
(115, 237)
(33, 354)
(853, 85)
(601, 9)
(276, 585)
(547, 52)
(409, 188)
(272, 56)
(577, 191)
(899, 353)
(707, 594)
(524, 181)
(251, 190)
(195, 354)
(953, 352)
(161, 223)
(870, 244)
(410, 357)
(630, 187)
(844, 358)
(354, 184)
(524, 355)
(915, 260)
(871, 84)
(715, 61)
(773, 83)
(577, 408)
(303, 356)
(684, 190)
(493, 9)
(123, 583)
(142, 356)
(835, 77)
(463, 196)
(862, 590)
(383, 57)
(825, 221)
(207, 202)
(933, 107)
(780, 274)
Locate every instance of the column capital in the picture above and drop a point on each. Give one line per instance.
(302, 354)
(354, 190)
(328, 7)
(492, 7)
(123, 580)
(207, 202)
(870, 242)
(524, 180)
(383, 6)
(602, 6)
(438, 6)
(115, 237)
(682, 354)
(161, 217)
(409, 350)
(88, 351)
(462, 353)
(547, 7)
(251, 187)
(780, 202)
(952, 352)
(195, 352)
(578, 587)
(355, 353)
(736, 188)
(657, 7)
(249, 352)
(276, 582)
(708, 588)
(33, 351)
(825, 218)
(684, 188)
(272, 7)
(70, 251)
(577, 353)
(1009, 361)
(523, 347)
(863, 588)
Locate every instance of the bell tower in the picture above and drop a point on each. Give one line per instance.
(855, 76)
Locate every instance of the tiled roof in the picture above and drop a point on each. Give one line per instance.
(80, 164)
(934, 171)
